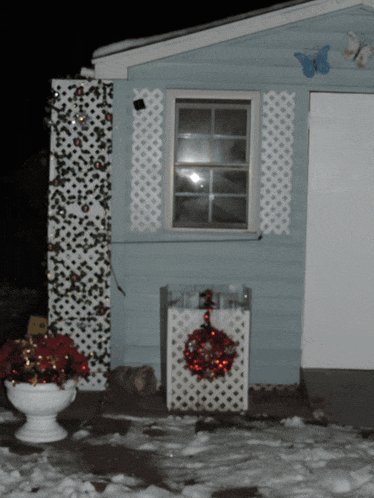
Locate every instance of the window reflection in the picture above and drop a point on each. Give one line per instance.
(194, 150)
(210, 150)
(211, 164)
(191, 210)
(191, 180)
(230, 182)
(229, 210)
(194, 121)
(229, 151)
(231, 122)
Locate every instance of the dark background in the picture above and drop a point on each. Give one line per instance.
(38, 45)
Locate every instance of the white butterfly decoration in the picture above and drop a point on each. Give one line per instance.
(358, 51)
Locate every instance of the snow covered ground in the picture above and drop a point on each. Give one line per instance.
(290, 459)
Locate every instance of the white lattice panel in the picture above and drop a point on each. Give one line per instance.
(79, 220)
(89, 337)
(276, 161)
(146, 198)
(184, 390)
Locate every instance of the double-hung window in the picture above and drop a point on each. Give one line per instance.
(213, 151)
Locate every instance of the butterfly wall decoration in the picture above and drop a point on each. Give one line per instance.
(357, 50)
(313, 65)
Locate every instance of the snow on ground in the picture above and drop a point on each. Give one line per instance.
(287, 460)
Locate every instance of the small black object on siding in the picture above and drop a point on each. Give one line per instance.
(139, 104)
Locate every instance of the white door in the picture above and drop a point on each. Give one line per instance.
(338, 330)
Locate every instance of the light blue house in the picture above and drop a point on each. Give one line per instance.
(235, 162)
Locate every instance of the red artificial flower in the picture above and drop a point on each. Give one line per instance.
(10, 352)
(82, 369)
(59, 363)
(8, 348)
(79, 360)
(44, 364)
(41, 359)
(42, 351)
(60, 344)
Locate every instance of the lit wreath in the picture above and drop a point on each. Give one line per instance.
(209, 353)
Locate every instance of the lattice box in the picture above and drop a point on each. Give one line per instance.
(184, 390)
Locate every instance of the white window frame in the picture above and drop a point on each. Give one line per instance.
(253, 165)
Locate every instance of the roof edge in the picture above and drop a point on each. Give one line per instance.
(133, 43)
(115, 64)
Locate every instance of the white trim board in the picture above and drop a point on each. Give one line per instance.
(115, 66)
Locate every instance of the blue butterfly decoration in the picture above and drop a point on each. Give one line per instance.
(317, 64)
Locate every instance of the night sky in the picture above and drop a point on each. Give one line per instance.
(56, 41)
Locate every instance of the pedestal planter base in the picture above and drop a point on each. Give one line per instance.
(39, 429)
(41, 404)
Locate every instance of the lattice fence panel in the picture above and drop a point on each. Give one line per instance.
(79, 219)
(88, 337)
(184, 390)
(276, 161)
(146, 195)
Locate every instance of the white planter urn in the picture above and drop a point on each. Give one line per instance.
(41, 404)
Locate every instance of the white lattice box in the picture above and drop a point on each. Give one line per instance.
(184, 390)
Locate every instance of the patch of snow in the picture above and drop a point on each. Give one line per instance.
(114, 490)
(147, 447)
(127, 417)
(113, 439)
(81, 434)
(8, 416)
(197, 491)
(126, 480)
(197, 445)
(287, 460)
(293, 422)
(154, 492)
(318, 414)
(340, 481)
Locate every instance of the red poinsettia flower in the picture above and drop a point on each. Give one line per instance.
(10, 352)
(42, 351)
(60, 344)
(58, 363)
(82, 369)
(78, 358)
(9, 349)
(44, 363)
(42, 359)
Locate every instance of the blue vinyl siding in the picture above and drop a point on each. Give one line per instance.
(273, 267)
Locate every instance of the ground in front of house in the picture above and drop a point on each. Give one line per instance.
(134, 448)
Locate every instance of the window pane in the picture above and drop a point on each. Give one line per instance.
(230, 182)
(190, 210)
(211, 177)
(231, 122)
(229, 210)
(194, 121)
(230, 151)
(191, 150)
(191, 180)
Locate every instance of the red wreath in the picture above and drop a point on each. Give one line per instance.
(209, 353)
